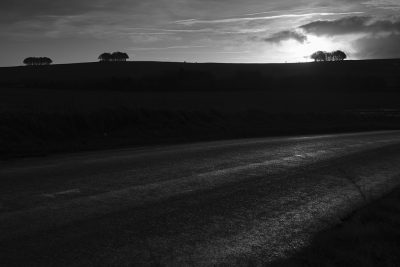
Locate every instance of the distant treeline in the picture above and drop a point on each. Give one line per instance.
(122, 57)
(113, 57)
(320, 56)
(104, 57)
(37, 61)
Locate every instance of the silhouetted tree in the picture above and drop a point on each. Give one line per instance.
(314, 56)
(105, 57)
(125, 56)
(119, 56)
(319, 56)
(114, 57)
(29, 61)
(46, 61)
(339, 55)
(37, 61)
(328, 56)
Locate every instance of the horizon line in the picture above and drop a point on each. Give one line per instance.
(205, 62)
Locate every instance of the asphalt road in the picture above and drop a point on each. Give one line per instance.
(216, 203)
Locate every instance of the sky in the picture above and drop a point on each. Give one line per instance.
(260, 31)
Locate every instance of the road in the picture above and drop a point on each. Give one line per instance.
(228, 202)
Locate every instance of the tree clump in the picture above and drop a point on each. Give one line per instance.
(113, 57)
(37, 61)
(322, 56)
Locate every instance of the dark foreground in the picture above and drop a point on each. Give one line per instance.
(360, 76)
(369, 237)
(94, 106)
(235, 202)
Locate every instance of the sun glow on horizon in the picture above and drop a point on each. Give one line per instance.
(311, 45)
(294, 51)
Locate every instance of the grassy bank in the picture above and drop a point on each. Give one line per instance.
(356, 76)
(45, 121)
(26, 133)
(369, 237)
(74, 107)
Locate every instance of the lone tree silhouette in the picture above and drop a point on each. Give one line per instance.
(37, 61)
(114, 57)
(328, 56)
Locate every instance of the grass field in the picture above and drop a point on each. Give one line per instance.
(30, 132)
(76, 107)
(348, 76)
(48, 100)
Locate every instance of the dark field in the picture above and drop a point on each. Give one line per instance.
(233, 202)
(99, 105)
(369, 237)
(48, 100)
(349, 76)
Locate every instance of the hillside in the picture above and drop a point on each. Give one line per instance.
(366, 75)
(76, 107)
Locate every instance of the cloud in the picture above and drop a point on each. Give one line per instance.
(166, 48)
(190, 22)
(286, 35)
(363, 36)
(351, 25)
(378, 47)
(281, 11)
(152, 37)
(154, 24)
(27, 9)
(62, 7)
(196, 31)
(383, 4)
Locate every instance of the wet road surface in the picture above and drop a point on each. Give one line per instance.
(229, 202)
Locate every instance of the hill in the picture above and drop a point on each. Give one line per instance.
(84, 106)
(366, 75)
